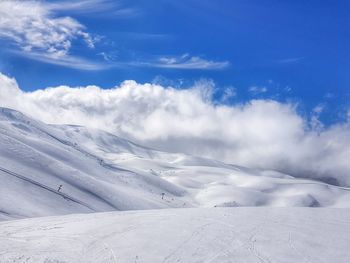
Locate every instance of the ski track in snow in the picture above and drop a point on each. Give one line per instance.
(262, 235)
(46, 188)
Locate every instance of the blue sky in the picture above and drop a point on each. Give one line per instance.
(284, 50)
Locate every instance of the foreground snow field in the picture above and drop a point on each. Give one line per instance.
(182, 235)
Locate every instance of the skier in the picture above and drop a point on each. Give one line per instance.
(163, 195)
(59, 188)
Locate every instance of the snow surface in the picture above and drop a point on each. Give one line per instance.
(100, 172)
(182, 235)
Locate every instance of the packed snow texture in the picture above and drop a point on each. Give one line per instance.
(244, 235)
(98, 171)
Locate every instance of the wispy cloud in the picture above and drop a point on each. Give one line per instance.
(70, 61)
(185, 62)
(81, 6)
(33, 27)
(145, 36)
(255, 90)
(315, 122)
(289, 60)
(35, 31)
(228, 93)
(94, 6)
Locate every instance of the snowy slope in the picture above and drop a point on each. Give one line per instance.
(36, 158)
(99, 171)
(182, 235)
(208, 182)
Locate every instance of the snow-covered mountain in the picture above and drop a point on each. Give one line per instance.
(56, 170)
(62, 169)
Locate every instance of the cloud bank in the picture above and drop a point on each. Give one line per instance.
(261, 133)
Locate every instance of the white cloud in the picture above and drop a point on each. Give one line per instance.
(255, 90)
(228, 93)
(37, 32)
(261, 133)
(185, 61)
(68, 61)
(290, 60)
(315, 122)
(105, 7)
(85, 6)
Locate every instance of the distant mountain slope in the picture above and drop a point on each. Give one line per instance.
(240, 235)
(35, 159)
(99, 171)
